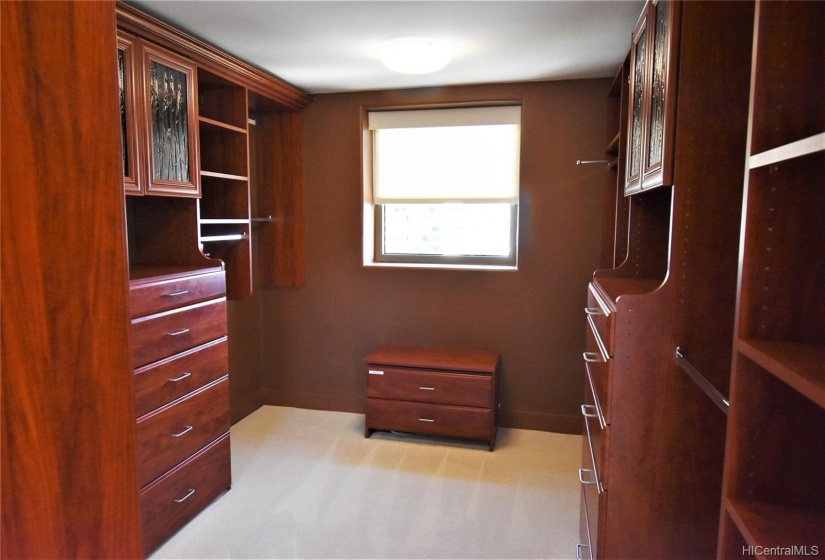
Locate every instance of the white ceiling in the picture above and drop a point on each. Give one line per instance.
(332, 46)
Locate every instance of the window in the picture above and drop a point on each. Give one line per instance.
(442, 187)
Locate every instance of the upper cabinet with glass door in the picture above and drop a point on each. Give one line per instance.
(158, 120)
(652, 109)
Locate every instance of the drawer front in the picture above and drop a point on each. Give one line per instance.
(430, 386)
(164, 334)
(595, 441)
(162, 382)
(598, 375)
(171, 501)
(602, 318)
(586, 549)
(171, 434)
(593, 499)
(426, 418)
(149, 298)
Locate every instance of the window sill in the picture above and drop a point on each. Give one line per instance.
(436, 266)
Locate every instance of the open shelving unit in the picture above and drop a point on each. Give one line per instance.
(223, 209)
(774, 494)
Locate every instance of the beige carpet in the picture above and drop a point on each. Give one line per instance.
(307, 484)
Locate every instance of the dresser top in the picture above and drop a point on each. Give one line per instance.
(452, 359)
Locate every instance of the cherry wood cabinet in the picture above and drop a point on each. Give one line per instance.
(652, 108)
(433, 391)
(659, 317)
(181, 392)
(773, 494)
(246, 178)
(158, 120)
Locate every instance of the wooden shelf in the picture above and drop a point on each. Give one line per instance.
(211, 125)
(802, 366)
(616, 286)
(227, 176)
(772, 526)
(793, 150)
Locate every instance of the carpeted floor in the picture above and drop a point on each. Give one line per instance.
(307, 484)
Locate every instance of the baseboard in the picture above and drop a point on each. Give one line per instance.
(542, 421)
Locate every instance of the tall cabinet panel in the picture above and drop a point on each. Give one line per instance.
(774, 495)
(67, 435)
(658, 320)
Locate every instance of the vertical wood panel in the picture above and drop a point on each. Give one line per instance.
(280, 190)
(68, 471)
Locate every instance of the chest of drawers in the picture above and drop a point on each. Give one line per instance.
(181, 394)
(441, 392)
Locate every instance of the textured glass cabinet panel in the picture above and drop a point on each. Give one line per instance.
(121, 77)
(657, 91)
(634, 149)
(168, 104)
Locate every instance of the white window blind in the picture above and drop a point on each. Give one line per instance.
(446, 155)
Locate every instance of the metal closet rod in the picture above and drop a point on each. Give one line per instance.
(585, 161)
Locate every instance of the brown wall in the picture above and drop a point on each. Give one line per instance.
(314, 337)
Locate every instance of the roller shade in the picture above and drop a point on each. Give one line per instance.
(446, 155)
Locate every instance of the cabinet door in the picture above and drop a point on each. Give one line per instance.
(657, 149)
(130, 119)
(171, 123)
(638, 105)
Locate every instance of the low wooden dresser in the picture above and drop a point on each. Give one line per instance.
(444, 392)
(181, 393)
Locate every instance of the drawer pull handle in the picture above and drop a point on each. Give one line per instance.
(582, 473)
(376, 372)
(586, 414)
(186, 430)
(427, 388)
(177, 333)
(180, 378)
(186, 497)
(180, 293)
(426, 420)
(592, 357)
(579, 548)
(592, 310)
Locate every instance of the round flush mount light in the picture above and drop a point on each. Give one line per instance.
(415, 55)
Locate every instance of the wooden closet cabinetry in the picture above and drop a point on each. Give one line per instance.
(659, 315)
(181, 394)
(773, 495)
(432, 391)
(158, 120)
(652, 107)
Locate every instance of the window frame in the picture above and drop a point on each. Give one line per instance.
(373, 219)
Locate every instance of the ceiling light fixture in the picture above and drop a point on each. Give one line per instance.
(415, 55)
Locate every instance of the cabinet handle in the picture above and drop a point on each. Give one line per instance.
(187, 429)
(426, 420)
(592, 357)
(582, 473)
(579, 548)
(173, 294)
(176, 333)
(375, 372)
(186, 497)
(586, 414)
(427, 388)
(181, 378)
(592, 310)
